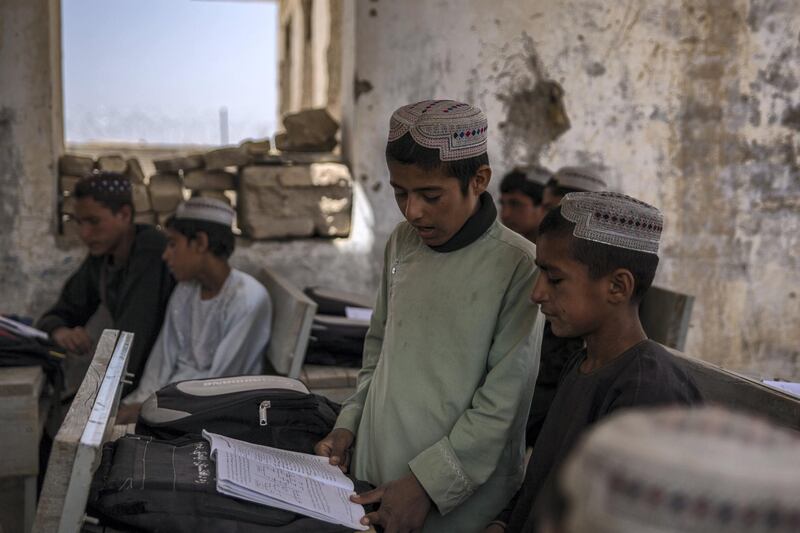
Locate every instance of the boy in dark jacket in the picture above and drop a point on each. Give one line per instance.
(123, 277)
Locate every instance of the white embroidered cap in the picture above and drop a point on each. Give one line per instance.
(614, 219)
(682, 470)
(206, 209)
(537, 173)
(456, 129)
(579, 179)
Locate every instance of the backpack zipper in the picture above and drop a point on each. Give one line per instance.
(262, 412)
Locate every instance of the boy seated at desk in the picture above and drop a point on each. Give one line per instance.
(218, 318)
(123, 282)
(598, 254)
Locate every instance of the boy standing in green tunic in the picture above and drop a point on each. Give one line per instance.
(437, 422)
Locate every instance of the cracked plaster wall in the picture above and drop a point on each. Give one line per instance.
(692, 106)
(34, 263)
(32, 266)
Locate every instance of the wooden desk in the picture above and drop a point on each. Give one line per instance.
(77, 446)
(22, 417)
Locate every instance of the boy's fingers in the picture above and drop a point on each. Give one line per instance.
(371, 496)
(322, 448)
(338, 450)
(372, 519)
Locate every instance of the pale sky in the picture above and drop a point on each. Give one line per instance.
(159, 70)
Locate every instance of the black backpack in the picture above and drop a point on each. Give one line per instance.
(19, 350)
(270, 410)
(336, 341)
(146, 484)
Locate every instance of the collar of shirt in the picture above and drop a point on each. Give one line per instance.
(473, 228)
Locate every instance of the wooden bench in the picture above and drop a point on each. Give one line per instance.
(292, 315)
(735, 391)
(665, 316)
(78, 444)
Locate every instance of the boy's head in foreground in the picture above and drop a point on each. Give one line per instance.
(199, 232)
(567, 180)
(103, 210)
(677, 470)
(598, 253)
(438, 165)
(521, 199)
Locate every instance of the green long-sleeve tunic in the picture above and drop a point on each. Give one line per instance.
(449, 366)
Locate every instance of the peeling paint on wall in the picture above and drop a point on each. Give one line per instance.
(692, 106)
(535, 114)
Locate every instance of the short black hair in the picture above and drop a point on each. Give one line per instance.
(221, 241)
(406, 151)
(602, 259)
(558, 190)
(87, 187)
(517, 180)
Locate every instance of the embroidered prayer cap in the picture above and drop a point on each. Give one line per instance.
(614, 219)
(537, 173)
(207, 210)
(105, 186)
(579, 179)
(683, 470)
(456, 129)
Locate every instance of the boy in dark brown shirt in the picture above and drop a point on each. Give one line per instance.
(598, 253)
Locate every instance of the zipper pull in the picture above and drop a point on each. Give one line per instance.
(262, 412)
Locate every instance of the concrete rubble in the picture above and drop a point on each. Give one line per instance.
(166, 192)
(302, 193)
(111, 163)
(295, 201)
(178, 164)
(75, 165)
(311, 130)
(226, 157)
(209, 180)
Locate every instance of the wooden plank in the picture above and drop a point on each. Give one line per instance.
(12, 504)
(97, 430)
(329, 377)
(20, 388)
(65, 446)
(292, 314)
(734, 391)
(665, 316)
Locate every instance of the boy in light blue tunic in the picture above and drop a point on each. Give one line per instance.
(438, 419)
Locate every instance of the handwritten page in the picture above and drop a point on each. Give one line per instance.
(301, 483)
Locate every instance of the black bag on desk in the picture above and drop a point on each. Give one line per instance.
(336, 341)
(157, 486)
(334, 302)
(270, 410)
(19, 350)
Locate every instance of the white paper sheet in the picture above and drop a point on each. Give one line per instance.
(23, 329)
(358, 313)
(786, 386)
(302, 483)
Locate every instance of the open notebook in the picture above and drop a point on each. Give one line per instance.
(298, 482)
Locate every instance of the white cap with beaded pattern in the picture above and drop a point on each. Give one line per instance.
(614, 219)
(456, 129)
